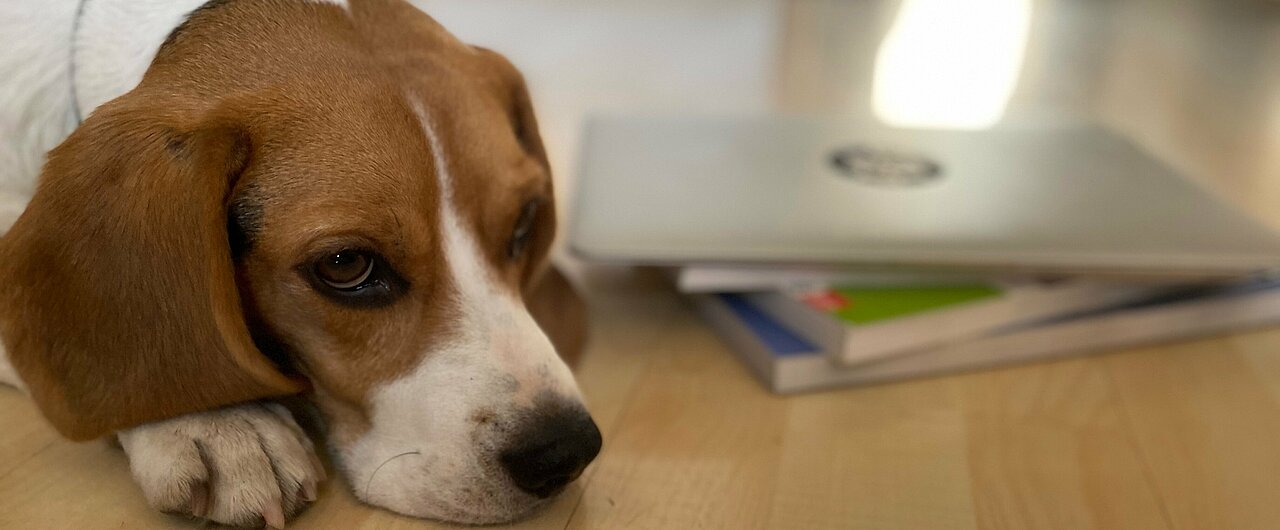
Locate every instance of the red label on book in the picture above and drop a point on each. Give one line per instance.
(825, 300)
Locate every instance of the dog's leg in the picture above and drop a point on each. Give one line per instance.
(246, 465)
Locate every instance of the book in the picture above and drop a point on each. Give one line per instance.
(865, 324)
(787, 362)
(745, 278)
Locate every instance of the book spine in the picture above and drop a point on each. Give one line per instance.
(933, 329)
(824, 330)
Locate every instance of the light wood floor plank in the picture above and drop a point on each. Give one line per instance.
(23, 433)
(1209, 430)
(76, 485)
(1262, 352)
(697, 447)
(1048, 448)
(890, 456)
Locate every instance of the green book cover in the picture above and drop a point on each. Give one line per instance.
(868, 305)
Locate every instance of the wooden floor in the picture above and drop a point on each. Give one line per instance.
(1177, 436)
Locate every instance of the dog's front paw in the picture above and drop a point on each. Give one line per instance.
(248, 465)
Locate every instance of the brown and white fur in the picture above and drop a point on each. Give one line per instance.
(161, 281)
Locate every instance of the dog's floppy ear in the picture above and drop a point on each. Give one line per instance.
(514, 94)
(120, 305)
(558, 309)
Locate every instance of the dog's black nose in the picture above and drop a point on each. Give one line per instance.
(552, 450)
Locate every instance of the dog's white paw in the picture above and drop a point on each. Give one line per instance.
(248, 465)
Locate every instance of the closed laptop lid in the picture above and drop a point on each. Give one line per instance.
(681, 190)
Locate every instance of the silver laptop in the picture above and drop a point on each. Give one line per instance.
(775, 190)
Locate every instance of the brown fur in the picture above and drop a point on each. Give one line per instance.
(561, 313)
(128, 305)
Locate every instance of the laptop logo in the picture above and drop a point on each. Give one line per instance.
(884, 167)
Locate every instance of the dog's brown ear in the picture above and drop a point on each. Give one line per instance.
(120, 305)
(560, 312)
(514, 94)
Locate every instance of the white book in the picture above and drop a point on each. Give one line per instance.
(745, 278)
(786, 363)
(883, 322)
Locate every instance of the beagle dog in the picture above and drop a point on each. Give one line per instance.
(246, 200)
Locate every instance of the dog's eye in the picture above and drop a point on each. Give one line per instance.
(523, 231)
(346, 270)
(354, 277)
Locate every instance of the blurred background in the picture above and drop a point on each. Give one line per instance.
(1195, 82)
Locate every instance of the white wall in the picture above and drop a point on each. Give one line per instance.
(581, 56)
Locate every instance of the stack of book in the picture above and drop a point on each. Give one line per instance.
(801, 331)
(762, 217)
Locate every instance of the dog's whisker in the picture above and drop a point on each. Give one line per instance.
(379, 468)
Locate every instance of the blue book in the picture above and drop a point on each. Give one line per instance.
(786, 361)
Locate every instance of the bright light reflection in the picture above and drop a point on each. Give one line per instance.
(950, 64)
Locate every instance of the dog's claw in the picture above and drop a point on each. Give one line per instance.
(318, 465)
(199, 500)
(273, 516)
(309, 491)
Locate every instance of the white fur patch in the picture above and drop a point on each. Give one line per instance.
(424, 454)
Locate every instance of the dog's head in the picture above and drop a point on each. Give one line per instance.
(351, 206)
